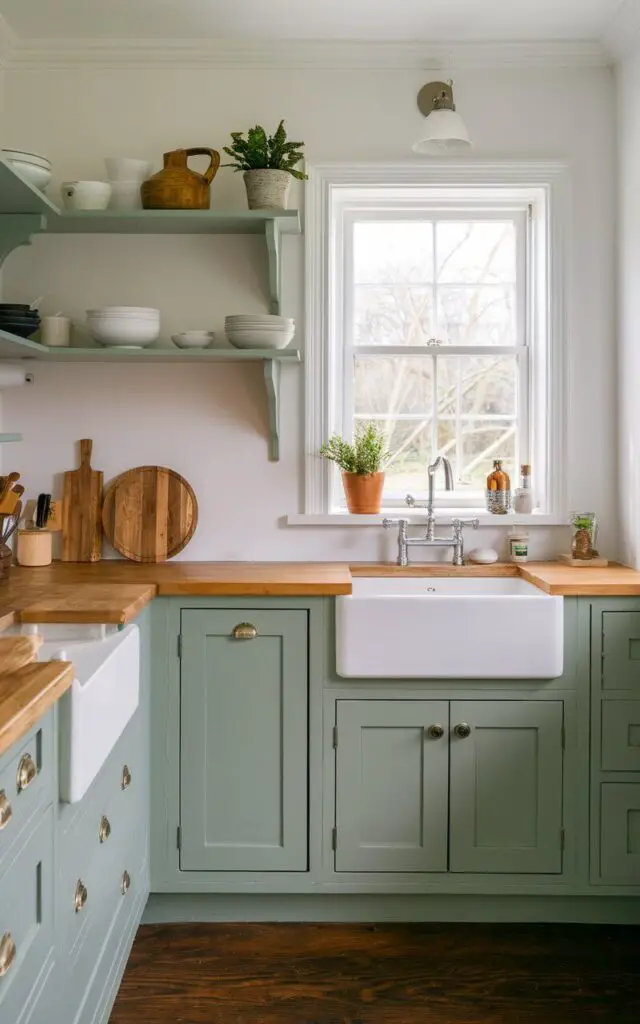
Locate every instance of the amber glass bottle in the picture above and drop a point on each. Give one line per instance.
(498, 490)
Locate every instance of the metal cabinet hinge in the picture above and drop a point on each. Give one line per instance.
(178, 837)
(335, 737)
(334, 839)
(179, 645)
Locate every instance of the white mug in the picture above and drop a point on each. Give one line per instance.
(86, 195)
(55, 330)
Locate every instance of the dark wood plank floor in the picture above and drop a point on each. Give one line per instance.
(387, 974)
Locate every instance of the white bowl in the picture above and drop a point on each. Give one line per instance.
(117, 331)
(127, 170)
(34, 169)
(125, 195)
(85, 195)
(127, 312)
(258, 339)
(194, 339)
(274, 321)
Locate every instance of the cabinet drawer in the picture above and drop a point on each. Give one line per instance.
(26, 781)
(621, 735)
(621, 651)
(620, 833)
(26, 919)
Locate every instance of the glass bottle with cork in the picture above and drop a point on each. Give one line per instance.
(523, 500)
(498, 490)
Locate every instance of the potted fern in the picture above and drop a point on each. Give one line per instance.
(361, 462)
(269, 164)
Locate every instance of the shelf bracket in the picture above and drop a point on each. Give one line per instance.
(18, 229)
(273, 237)
(272, 370)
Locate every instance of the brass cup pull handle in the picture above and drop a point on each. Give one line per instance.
(126, 882)
(7, 953)
(26, 773)
(81, 896)
(105, 829)
(463, 731)
(244, 631)
(126, 776)
(435, 732)
(6, 810)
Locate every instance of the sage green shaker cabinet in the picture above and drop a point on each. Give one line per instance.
(243, 723)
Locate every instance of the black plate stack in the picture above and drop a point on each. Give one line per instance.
(20, 319)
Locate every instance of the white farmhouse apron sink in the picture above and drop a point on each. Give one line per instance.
(103, 697)
(450, 628)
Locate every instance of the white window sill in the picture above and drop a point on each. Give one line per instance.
(443, 518)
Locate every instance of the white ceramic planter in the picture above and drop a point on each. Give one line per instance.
(267, 189)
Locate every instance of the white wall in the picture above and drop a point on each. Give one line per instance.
(629, 305)
(209, 423)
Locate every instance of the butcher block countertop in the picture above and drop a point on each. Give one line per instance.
(26, 695)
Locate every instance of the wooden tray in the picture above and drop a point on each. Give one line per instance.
(149, 513)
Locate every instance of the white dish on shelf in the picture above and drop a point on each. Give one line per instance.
(35, 169)
(137, 312)
(85, 195)
(127, 170)
(194, 339)
(120, 331)
(259, 339)
(125, 195)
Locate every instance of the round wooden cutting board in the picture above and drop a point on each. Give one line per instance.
(149, 514)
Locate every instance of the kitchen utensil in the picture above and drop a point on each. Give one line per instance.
(150, 513)
(85, 195)
(55, 330)
(194, 339)
(125, 195)
(54, 522)
(42, 510)
(16, 651)
(126, 170)
(8, 524)
(10, 500)
(81, 503)
(33, 168)
(6, 483)
(34, 547)
(176, 186)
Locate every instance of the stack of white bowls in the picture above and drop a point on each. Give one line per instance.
(125, 177)
(259, 331)
(124, 326)
(36, 169)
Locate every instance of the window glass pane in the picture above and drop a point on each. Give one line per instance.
(473, 315)
(393, 315)
(411, 453)
(393, 251)
(482, 442)
(392, 386)
(482, 385)
(479, 252)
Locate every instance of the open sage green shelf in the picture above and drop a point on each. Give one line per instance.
(26, 212)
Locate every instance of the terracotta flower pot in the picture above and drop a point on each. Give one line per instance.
(363, 493)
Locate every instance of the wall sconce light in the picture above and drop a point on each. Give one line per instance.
(445, 133)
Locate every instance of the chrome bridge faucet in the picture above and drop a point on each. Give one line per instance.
(430, 540)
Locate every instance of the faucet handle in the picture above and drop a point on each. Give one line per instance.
(388, 523)
(459, 524)
(411, 502)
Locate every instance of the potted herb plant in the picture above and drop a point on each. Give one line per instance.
(269, 164)
(361, 462)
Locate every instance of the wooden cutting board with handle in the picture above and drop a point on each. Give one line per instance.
(81, 510)
(149, 513)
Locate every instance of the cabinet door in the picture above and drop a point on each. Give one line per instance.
(621, 650)
(506, 787)
(243, 780)
(620, 833)
(391, 785)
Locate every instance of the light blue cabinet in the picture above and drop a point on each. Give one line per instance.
(506, 786)
(392, 785)
(243, 740)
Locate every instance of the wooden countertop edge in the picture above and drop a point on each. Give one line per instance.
(105, 610)
(255, 588)
(26, 695)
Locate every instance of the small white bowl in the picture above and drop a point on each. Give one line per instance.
(259, 339)
(194, 339)
(85, 195)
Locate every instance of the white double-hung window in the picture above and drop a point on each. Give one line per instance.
(431, 311)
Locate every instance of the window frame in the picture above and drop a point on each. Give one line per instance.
(335, 189)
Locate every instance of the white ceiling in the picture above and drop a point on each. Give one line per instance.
(418, 20)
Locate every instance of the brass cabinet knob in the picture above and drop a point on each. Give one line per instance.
(436, 732)
(6, 810)
(81, 896)
(7, 953)
(463, 730)
(126, 776)
(105, 829)
(26, 773)
(126, 882)
(244, 631)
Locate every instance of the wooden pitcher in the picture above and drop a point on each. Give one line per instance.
(176, 186)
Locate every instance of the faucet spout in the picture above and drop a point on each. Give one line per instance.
(443, 461)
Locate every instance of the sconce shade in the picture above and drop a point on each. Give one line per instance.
(445, 133)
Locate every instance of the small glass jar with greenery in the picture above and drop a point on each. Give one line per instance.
(361, 462)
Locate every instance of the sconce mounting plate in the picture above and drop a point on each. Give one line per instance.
(430, 93)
